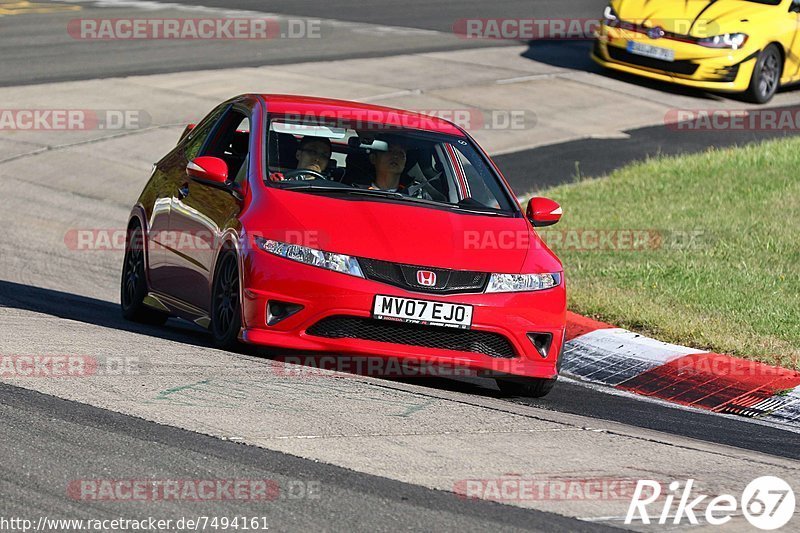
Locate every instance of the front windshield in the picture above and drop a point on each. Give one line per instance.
(401, 164)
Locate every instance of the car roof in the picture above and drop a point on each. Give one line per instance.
(357, 112)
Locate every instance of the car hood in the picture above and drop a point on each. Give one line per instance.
(698, 18)
(402, 233)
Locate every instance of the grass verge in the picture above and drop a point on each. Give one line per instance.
(700, 250)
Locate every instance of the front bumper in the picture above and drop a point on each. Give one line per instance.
(694, 66)
(327, 297)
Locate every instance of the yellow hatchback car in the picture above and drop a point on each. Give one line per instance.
(743, 46)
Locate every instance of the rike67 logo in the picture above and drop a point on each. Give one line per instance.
(767, 502)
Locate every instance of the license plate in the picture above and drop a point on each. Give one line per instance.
(647, 50)
(424, 312)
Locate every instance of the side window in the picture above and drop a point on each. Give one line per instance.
(241, 177)
(441, 160)
(481, 185)
(476, 182)
(231, 141)
(197, 138)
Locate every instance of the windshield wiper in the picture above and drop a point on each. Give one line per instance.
(308, 187)
(397, 196)
(347, 190)
(378, 192)
(479, 211)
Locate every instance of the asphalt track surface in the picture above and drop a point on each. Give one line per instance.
(62, 438)
(347, 501)
(423, 14)
(38, 49)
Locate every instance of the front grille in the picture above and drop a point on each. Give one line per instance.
(369, 329)
(405, 276)
(683, 67)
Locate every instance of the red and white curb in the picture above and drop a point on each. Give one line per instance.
(600, 353)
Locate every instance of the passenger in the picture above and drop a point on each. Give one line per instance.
(389, 166)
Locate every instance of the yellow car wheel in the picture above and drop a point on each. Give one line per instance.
(766, 75)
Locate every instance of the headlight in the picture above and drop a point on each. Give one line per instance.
(522, 282)
(610, 16)
(302, 254)
(728, 40)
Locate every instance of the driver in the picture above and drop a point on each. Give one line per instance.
(313, 153)
(389, 167)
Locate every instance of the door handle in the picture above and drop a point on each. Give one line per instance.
(183, 192)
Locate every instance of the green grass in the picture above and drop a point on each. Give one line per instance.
(736, 290)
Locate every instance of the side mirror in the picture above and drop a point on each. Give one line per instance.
(543, 212)
(186, 131)
(209, 171)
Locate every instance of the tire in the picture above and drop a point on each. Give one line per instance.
(226, 305)
(133, 285)
(531, 388)
(766, 76)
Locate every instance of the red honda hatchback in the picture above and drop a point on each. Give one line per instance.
(345, 228)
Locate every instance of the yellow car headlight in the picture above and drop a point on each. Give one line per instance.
(732, 41)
